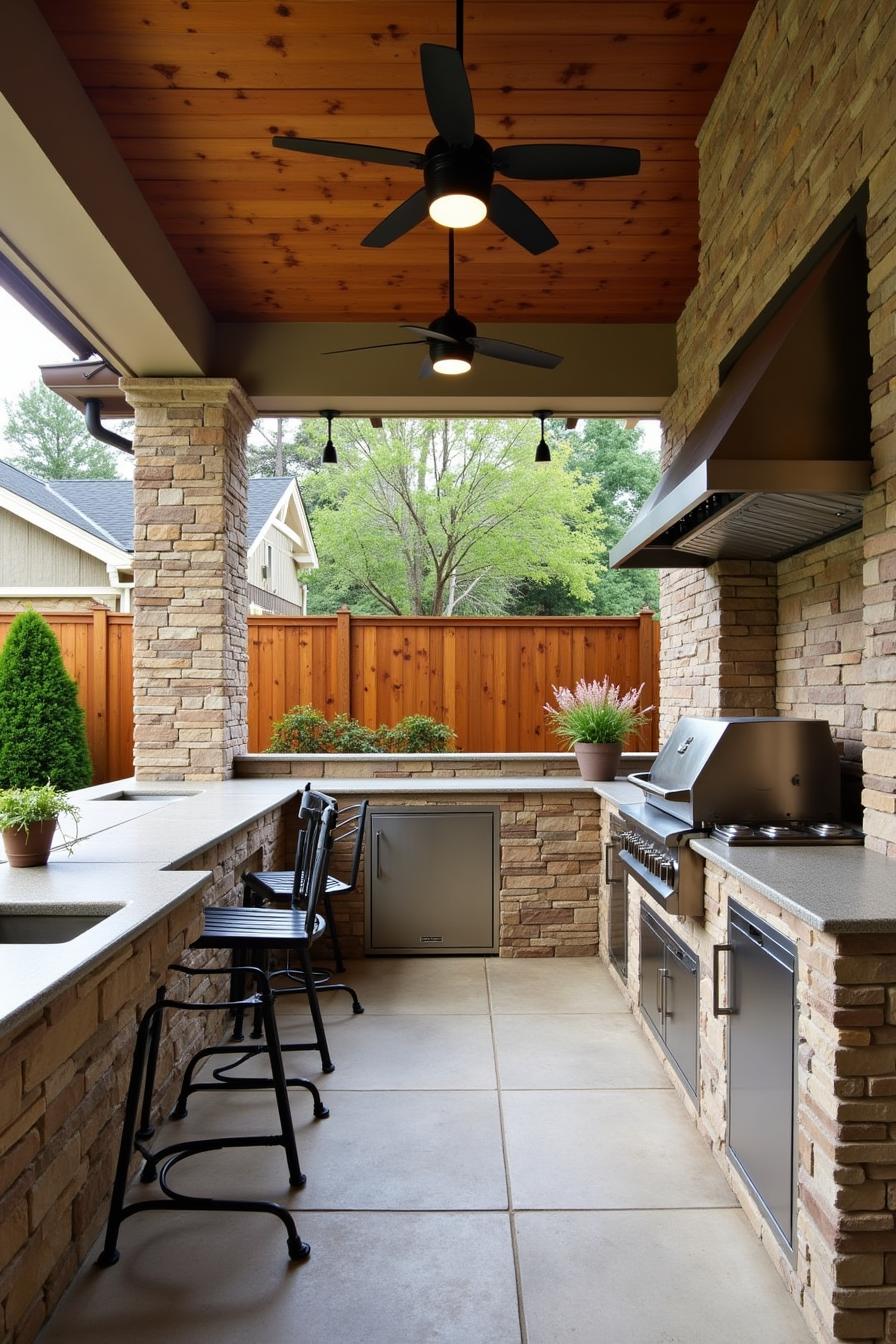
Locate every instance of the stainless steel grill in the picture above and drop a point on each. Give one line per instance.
(756, 781)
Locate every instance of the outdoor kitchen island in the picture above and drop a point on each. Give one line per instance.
(835, 907)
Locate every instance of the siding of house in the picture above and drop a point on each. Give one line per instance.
(28, 555)
(283, 579)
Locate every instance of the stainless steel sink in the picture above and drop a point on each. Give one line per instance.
(49, 928)
(133, 796)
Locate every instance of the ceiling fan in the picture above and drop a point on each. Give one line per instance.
(459, 165)
(452, 340)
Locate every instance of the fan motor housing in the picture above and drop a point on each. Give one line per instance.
(453, 169)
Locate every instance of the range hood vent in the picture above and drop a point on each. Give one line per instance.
(781, 459)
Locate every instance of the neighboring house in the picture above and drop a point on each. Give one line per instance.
(68, 545)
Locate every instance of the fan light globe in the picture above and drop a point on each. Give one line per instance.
(453, 364)
(458, 210)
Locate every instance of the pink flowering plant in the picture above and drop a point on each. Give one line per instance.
(595, 711)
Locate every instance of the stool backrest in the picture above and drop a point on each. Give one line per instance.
(312, 807)
(320, 862)
(350, 828)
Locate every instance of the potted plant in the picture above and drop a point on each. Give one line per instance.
(594, 719)
(28, 823)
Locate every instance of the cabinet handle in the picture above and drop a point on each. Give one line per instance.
(659, 990)
(717, 1009)
(608, 850)
(667, 979)
(379, 871)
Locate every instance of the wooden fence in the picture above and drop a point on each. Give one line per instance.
(488, 677)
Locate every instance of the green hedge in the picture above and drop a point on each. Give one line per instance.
(305, 729)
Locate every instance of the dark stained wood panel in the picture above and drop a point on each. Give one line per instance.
(192, 91)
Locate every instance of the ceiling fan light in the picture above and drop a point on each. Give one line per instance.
(458, 210)
(452, 364)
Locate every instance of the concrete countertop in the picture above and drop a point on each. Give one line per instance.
(459, 784)
(618, 791)
(834, 888)
(121, 866)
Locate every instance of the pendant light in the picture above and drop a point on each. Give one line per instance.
(328, 457)
(542, 452)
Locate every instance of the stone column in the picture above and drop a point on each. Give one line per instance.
(190, 588)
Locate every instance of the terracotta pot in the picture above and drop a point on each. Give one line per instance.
(598, 760)
(31, 848)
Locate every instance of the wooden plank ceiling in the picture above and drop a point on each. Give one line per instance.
(192, 91)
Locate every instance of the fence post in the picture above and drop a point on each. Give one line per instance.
(646, 672)
(100, 670)
(343, 661)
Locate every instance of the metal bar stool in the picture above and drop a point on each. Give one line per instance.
(278, 887)
(160, 1163)
(251, 934)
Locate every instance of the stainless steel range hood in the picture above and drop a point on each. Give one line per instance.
(781, 459)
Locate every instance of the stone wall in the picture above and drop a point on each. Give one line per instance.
(190, 592)
(804, 117)
(63, 1078)
(442, 765)
(821, 635)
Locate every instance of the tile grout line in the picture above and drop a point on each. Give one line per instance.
(517, 1269)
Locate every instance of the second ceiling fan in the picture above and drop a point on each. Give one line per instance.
(452, 340)
(459, 166)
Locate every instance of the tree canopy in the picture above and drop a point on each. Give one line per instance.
(52, 439)
(444, 517)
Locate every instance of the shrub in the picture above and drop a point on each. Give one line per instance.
(42, 735)
(418, 733)
(302, 729)
(348, 735)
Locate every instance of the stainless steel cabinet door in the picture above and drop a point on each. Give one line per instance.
(680, 1003)
(432, 881)
(652, 968)
(761, 1064)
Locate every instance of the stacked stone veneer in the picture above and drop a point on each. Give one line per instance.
(190, 589)
(821, 635)
(804, 117)
(844, 1271)
(63, 1077)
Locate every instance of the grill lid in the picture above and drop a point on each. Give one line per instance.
(746, 770)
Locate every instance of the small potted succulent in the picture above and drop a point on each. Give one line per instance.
(594, 719)
(28, 820)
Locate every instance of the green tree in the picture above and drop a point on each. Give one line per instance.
(445, 517)
(623, 472)
(42, 736)
(283, 446)
(53, 441)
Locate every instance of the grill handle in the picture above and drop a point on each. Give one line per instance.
(644, 782)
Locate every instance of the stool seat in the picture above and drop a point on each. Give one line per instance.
(281, 885)
(238, 926)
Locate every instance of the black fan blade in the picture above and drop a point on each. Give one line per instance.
(341, 149)
(423, 331)
(552, 163)
(354, 349)
(515, 354)
(448, 93)
(514, 217)
(402, 219)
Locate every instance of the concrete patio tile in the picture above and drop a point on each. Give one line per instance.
(606, 1050)
(429, 985)
(377, 1150)
(561, 985)
(607, 1150)
(401, 1052)
(682, 1277)
(372, 1278)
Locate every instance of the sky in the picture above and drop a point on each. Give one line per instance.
(25, 344)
